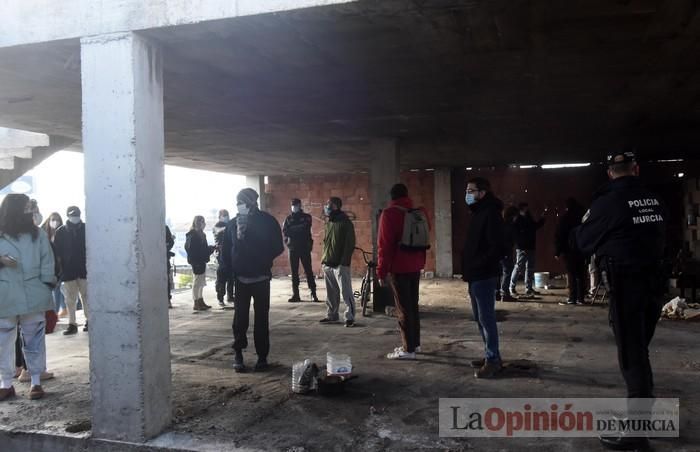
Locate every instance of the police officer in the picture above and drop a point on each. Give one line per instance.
(297, 236)
(625, 228)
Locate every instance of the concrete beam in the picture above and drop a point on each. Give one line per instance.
(384, 173)
(123, 143)
(14, 138)
(257, 183)
(33, 21)
(443, 223)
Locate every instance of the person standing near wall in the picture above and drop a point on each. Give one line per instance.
(27, 267)
(198, 255)
(481, 257)
(224, 281)
(50, 226)
(525, 248)
(574, 261)
(252, 241)
(399, 263)
(70, 248)
(169, 244)
(299, 241)
(510, 216)
(338, 248)
(626, 229)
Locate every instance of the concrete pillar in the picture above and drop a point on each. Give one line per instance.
(443, 222)
(384, 173)
(123, 139)
(257, 183)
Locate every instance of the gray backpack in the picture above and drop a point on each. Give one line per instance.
(416, 232)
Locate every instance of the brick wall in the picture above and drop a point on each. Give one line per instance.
(353, 189)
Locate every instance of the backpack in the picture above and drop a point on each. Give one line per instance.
(416, 232)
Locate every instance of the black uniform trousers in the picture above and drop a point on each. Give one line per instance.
(634, 311)
(305, 258)
(576, 273)
(405, 288)
(260, 293)
(224, 284)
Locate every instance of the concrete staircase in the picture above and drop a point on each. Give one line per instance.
(20, 151)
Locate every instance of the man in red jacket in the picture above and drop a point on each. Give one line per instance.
(399, 268)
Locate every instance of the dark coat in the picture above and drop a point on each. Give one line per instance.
(483, 249)
(69, 244)
(526, 231)
(564, 242)
(253, 255)
(198, 251)
(297, 232)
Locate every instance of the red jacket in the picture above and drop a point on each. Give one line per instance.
(391, 258)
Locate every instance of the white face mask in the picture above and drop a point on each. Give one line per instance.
(54, 224)
(74, 220)
(296, 209)
(243, 209)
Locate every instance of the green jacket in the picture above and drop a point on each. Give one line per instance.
(25, 289)
(339, 241)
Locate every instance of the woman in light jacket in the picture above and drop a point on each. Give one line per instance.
(26, 280)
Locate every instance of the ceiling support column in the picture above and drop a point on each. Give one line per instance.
(123, 138)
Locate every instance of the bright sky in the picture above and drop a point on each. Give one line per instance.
(59, 183)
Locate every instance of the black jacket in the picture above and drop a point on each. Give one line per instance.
(198, 251)
(484, 247)
(219, 229)
(297, 232)
(627, 223)
(69, 245)
(564, 242)
(253, 255)
(526, 231)
(508, 238)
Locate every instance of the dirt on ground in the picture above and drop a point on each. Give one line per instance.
(549, 351)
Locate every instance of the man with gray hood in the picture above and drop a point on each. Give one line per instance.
(251, 243)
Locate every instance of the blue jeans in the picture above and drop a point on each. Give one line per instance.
(58, 298)
(524, 258)
(506, 271)
(483, 297)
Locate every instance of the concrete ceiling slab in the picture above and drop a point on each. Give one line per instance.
(456, 82)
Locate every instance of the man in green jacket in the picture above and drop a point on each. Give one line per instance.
(338, 247)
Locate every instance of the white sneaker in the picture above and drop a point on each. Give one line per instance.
(400, 349)
(400, 354)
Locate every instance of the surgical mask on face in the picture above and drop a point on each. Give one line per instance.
(243, 209)
(296, 209)
(224, 219)
(74, 220)
(54, 224)
(470, 199)
(327, 210)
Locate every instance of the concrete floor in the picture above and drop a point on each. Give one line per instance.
(393, 405)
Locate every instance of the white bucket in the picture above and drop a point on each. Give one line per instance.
(542, 280)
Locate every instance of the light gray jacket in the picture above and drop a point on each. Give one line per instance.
(25, 289)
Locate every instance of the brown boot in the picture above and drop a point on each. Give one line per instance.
(203, 304)
(36, 393)
(488, 370)
(198, 305)
(7, 393)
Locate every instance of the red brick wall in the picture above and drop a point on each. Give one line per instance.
(353, 189)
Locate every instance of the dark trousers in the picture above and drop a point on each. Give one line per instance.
(405, 287)
(224, 284)
(305, 258)
(577, 275)
(506, 271)
(634, 312)
(260, 293)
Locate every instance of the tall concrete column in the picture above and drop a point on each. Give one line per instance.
(123, 139)
(384, 173)
(443, 222)
(257, 183)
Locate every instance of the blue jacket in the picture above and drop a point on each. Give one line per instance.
(25, 289)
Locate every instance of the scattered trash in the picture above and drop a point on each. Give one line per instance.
(79, 426)
(338, 364)
(675, 309)
(304, 376)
